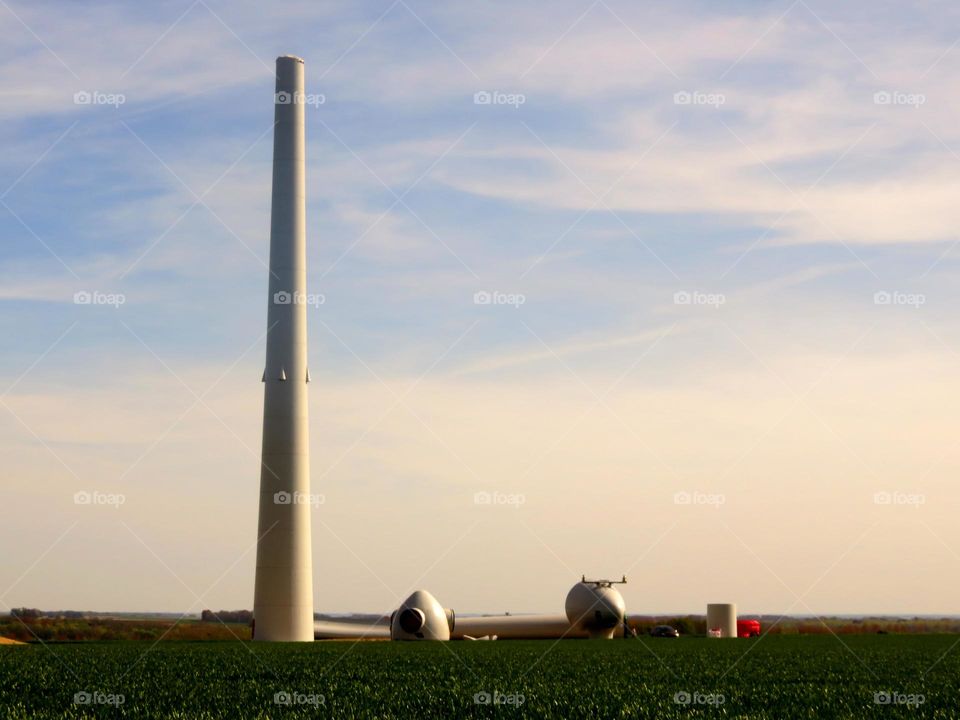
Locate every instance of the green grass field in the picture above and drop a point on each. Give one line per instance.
(773, 677)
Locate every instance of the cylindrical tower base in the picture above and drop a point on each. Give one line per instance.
(722, 620)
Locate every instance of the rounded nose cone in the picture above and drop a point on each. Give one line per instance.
(420, 617)
(598, 610)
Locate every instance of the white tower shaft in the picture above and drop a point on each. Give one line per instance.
(283, 594)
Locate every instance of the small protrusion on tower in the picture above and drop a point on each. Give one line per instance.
(308, 374)
(283, 375)
(264, 376)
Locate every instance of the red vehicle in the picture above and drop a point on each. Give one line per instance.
(748, 628)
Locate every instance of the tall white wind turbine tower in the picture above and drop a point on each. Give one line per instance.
(283, 593)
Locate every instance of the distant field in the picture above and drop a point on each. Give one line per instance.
(773, 677)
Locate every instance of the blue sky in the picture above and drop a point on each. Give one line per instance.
(814, 166)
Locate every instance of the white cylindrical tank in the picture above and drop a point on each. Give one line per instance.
(283, 590)
(595, 608)
(722, 617)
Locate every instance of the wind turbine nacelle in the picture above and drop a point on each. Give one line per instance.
(595, 608)
(420, 617)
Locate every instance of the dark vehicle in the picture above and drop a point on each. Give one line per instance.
(665, 631)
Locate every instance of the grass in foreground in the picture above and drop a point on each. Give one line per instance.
(773, 677)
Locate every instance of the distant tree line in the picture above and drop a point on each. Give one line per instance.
(25, 613)
(227, 616)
